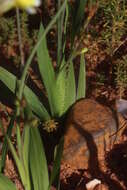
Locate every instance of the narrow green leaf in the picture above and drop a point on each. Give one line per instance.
(6, 184)
(80, 11)
(57, 161)
(8, 79)
(65, 28)
(18, 162)
(70, 96)
(25, 148)
(38, 163)
(25, 153)
(59, 92)
(4, 150)
(37, 107)
(35, 104)
(60, 24)
(46, 68)
(19, 143)
(5, 144)
(82, 79)
(49, 26)
(78, 16)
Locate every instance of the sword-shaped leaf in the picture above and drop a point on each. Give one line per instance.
(37, 107)
(46, 69)
(56, 165)
(82, 79)
(38, 163)
(78, 14)
(6, 184)
(70, 96)
(59, 92)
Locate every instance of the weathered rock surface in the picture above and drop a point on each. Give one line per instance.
(91, 130)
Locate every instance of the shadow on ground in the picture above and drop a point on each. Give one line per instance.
(117, 161)
(94, 169)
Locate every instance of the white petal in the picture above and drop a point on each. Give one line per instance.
(92, 184)
(37, 3)
(31, 10)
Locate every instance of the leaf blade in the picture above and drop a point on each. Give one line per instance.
(56, 165)
(46, 68)
(78, 14)
(5, 183)
(38, 165)
(70, 87)
(37, 107)
(82, 79)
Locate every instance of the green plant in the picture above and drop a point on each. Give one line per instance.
(18, 87)
(101, 78)
(7, 29)
(121, 74)
(57, 84)
(106, 32)
(114, 16)
(9, 39)
(30, 158)
(60, 84)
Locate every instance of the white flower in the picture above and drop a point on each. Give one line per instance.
(28, 5)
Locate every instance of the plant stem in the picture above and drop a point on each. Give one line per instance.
(23, 77)
(20, 39)
(60, 25)
(20, 86)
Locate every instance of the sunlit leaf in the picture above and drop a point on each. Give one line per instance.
(46, 69)
(18, 162)
(25, 152)
(38, 163)
(82, 79)
(6, 184)
(59, 92)
(19, 143)
(37, 107)
(70, 96)
(57, 161)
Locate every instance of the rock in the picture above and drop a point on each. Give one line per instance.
(90, 131)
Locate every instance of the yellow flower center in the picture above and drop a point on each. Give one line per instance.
(25, 3)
